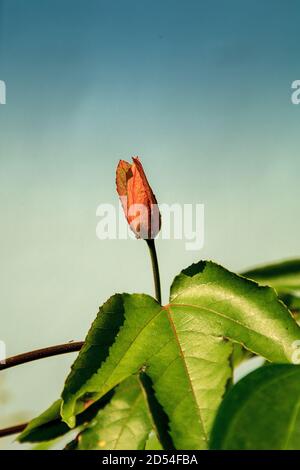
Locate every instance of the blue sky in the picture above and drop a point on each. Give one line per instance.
(199, 89)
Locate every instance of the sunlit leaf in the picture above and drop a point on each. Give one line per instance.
(284, 276)
(124, 423)
(48, 426)
(184, 347)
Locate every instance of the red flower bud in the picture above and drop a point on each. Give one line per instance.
(137, 198)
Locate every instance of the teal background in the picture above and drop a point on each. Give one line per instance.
(200, 89)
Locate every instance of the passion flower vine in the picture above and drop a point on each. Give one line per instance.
(171, 367)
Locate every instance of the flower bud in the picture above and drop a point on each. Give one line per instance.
(137, 198)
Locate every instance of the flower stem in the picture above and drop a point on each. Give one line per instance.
(155, 269)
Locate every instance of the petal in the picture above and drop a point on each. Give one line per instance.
(122, 175)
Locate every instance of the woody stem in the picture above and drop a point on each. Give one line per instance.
(155, 269)
(13, 430)
(40, 354)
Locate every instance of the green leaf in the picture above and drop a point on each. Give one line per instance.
(102, 333)
(292, 301)
(159, 419)
(261, 412)
(46, 445)
(135, 337)
(239, 355)
(225, 304)
(284, 276)
(127, 421)
(148, 340)
(49, 426)
(207, 298)
(153, 442)
(46, 426)
(184, 347)
(123, 424)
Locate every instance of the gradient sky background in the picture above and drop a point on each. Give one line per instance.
(200, 89)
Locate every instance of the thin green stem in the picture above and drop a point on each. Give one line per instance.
(155, 269)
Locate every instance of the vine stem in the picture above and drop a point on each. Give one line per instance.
(41, 354)
(34, 356)
(155, 268)
(69, 347)
(12, 430)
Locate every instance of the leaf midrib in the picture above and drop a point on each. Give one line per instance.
(127, 350)
(187, 373)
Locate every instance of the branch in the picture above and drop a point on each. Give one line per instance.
(41, 354)
(13, 430)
